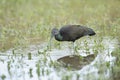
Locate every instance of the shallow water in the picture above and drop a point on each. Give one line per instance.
(38, 63)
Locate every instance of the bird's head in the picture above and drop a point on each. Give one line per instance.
(54, 32)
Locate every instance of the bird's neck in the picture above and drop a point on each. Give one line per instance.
(58, 37)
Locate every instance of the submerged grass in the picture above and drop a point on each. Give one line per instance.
(25, 22)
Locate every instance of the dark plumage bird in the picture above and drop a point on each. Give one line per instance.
(71, 32)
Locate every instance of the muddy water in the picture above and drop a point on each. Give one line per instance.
(37, 63)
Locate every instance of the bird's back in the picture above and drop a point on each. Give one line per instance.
(74, 32)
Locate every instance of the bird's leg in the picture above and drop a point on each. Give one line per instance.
(73, 48)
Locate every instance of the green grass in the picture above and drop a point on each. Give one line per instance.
(25, 22)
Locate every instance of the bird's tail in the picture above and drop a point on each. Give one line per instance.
(91, 32)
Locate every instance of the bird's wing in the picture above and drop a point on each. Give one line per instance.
(77, 31)
(72, 32)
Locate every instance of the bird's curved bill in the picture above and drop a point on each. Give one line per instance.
(49, 45)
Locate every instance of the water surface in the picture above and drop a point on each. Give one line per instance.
(38, 63)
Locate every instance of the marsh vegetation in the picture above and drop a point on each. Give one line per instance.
(25, 27)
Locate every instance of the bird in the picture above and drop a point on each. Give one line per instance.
(71, 33)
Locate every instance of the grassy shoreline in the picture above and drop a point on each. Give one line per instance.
(24, 22)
